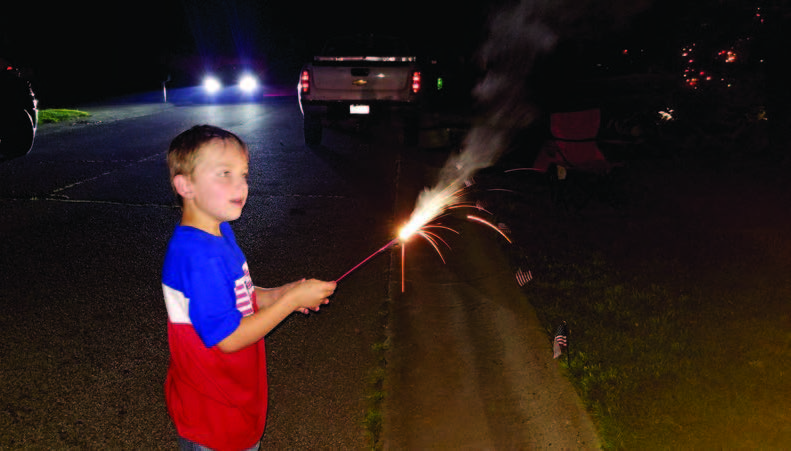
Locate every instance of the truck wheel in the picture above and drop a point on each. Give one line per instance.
(16, 134)
(312, 130)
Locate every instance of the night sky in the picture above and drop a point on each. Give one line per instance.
(85, 50)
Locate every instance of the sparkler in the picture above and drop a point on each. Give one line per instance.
(431, 205)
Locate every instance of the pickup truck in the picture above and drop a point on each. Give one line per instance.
(359, 76)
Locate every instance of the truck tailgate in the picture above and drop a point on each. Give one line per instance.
(388, 82)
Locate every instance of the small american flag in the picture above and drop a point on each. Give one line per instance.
(560, 342)
(522, 277)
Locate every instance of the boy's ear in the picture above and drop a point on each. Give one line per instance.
(183, 186)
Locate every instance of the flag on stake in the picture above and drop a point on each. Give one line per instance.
(522, 277)
(561, 337)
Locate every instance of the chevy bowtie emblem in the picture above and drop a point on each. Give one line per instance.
(360, 82)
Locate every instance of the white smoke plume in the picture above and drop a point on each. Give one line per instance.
(518, 35)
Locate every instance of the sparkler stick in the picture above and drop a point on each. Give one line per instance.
(394, 241)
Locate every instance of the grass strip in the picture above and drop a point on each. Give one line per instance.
(55, 115)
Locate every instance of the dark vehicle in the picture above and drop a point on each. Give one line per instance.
(18, 113)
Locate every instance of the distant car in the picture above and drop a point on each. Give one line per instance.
(232, 83)
(18, 113)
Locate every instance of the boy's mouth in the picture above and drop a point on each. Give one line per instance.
(238, 202)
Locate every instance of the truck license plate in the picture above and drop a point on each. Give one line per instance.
(359, 109)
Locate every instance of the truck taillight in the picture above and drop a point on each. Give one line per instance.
(304, 82)
(415, 82)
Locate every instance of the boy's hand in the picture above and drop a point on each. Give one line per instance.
(310, 294)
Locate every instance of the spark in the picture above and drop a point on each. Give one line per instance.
(489, 224)
(433, 238)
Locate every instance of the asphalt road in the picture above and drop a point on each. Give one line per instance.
(86, 218)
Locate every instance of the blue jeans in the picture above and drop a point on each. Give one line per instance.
(186, 445)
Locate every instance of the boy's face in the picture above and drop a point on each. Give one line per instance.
(216, 190)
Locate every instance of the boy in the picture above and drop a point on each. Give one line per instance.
(216, 389)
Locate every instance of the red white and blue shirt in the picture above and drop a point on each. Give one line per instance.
(215, 399)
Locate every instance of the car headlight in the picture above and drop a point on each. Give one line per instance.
(211, 84)
(248, 83)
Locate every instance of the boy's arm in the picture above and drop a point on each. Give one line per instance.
(277, 304)
(268, 296)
